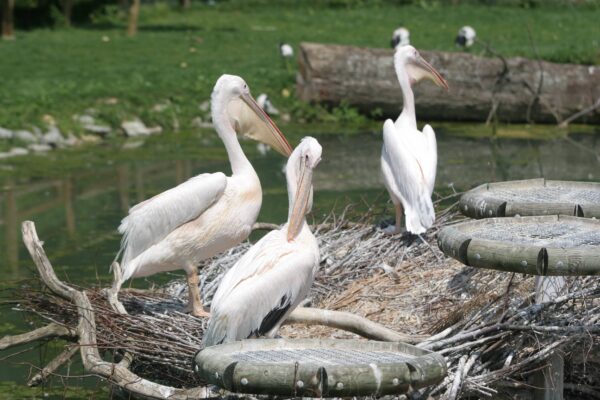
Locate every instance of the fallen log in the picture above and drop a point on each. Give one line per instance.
(515, 89)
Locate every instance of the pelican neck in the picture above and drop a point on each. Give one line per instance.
(408, 98)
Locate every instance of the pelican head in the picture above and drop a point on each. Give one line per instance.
(232, 94)
(409, 59)
(299, 169)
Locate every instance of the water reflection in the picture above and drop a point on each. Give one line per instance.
(80, 206)
(78, 214)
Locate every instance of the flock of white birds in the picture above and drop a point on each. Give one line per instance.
(211, 213)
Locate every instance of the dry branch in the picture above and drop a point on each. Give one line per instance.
(49, 331)
(351, 323)
(53, 365)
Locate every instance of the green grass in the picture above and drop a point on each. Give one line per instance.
(66, 71)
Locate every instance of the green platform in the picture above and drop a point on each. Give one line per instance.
(319, 367)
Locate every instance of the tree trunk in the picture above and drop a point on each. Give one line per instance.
(185, 4)
(518, 89)
(67, 6)
(7, 19)
(134, 12)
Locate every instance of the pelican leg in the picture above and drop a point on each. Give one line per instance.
(399, 212)
(194, 303)
(113, 292)
(397, 228)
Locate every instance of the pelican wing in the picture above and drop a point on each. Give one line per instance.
(152, 220)
(429, 157)
(261, 289)
(409, 177)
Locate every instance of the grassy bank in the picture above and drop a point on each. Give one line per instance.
(177, 55)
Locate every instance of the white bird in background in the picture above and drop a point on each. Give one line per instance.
(466, 36)
(408, 156)
(275, 275)
(286, 50)
(400, 37)
(265, 103)
(209, 213)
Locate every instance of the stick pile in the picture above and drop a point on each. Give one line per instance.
(484, 322)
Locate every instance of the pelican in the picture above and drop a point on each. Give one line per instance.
(409, 156)
(275, 275)
(400, 37)
(466, 36)
(209, 213)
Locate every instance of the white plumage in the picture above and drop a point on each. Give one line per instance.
(409, 156)
(286, 50)
(276, 274)
(208, 213)
(400, 37)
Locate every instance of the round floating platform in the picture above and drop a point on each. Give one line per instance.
(545, 245)
(319, 367)
(532, 197)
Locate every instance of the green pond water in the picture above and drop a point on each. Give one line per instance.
(77, 198)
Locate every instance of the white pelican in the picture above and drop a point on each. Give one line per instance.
(209, 213)
(400, 37)
(466, 36)
(275, 275)
(408, 156)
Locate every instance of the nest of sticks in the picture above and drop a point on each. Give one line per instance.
(486, 323)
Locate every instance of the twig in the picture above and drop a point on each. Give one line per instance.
(51, 330)
(581, 113)
(53, 365)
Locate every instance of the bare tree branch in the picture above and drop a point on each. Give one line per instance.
(49, 331)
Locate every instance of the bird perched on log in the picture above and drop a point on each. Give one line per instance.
(466, 36)
(409, 156)
(209, 213)
(275, 275)
(400, 37)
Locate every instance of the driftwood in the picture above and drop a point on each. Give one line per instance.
(515, 89)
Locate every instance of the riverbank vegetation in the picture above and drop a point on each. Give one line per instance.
(165, 73)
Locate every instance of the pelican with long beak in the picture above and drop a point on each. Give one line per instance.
(209, 213)
(275, 275)
(409, 156)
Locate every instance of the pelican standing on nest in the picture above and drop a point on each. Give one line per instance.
(275, 275)
(409, 156)
(209, 213)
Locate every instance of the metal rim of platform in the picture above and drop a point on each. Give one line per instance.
(545, 258)
(221, 365)
(490, 199)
